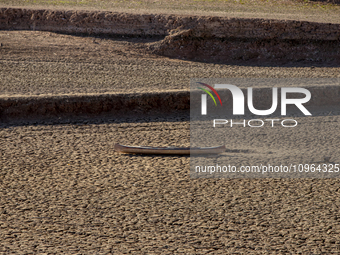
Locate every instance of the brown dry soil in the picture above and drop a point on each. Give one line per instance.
(64, 190)
(187, 45)
(315, 11)
(212, 39)
(35, 62)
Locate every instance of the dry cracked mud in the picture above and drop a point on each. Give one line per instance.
(34, 62)
(64, 190)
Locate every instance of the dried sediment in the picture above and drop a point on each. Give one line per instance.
(105, 22)
(198, 38)
(193, 44)
(43, 107)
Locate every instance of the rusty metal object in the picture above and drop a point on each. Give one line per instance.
(168, 150)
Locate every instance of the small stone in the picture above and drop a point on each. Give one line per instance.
(326, 159)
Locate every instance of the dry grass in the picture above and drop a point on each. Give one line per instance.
(282, 9)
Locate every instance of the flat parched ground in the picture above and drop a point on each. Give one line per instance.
(64, 190)
(33, 62)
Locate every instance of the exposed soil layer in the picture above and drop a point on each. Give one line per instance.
(185, 45)
(100, 22)
(44, 74)
(199, 38)
(77, 105)
(37, 62)
(328, 1)
(45, 107)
